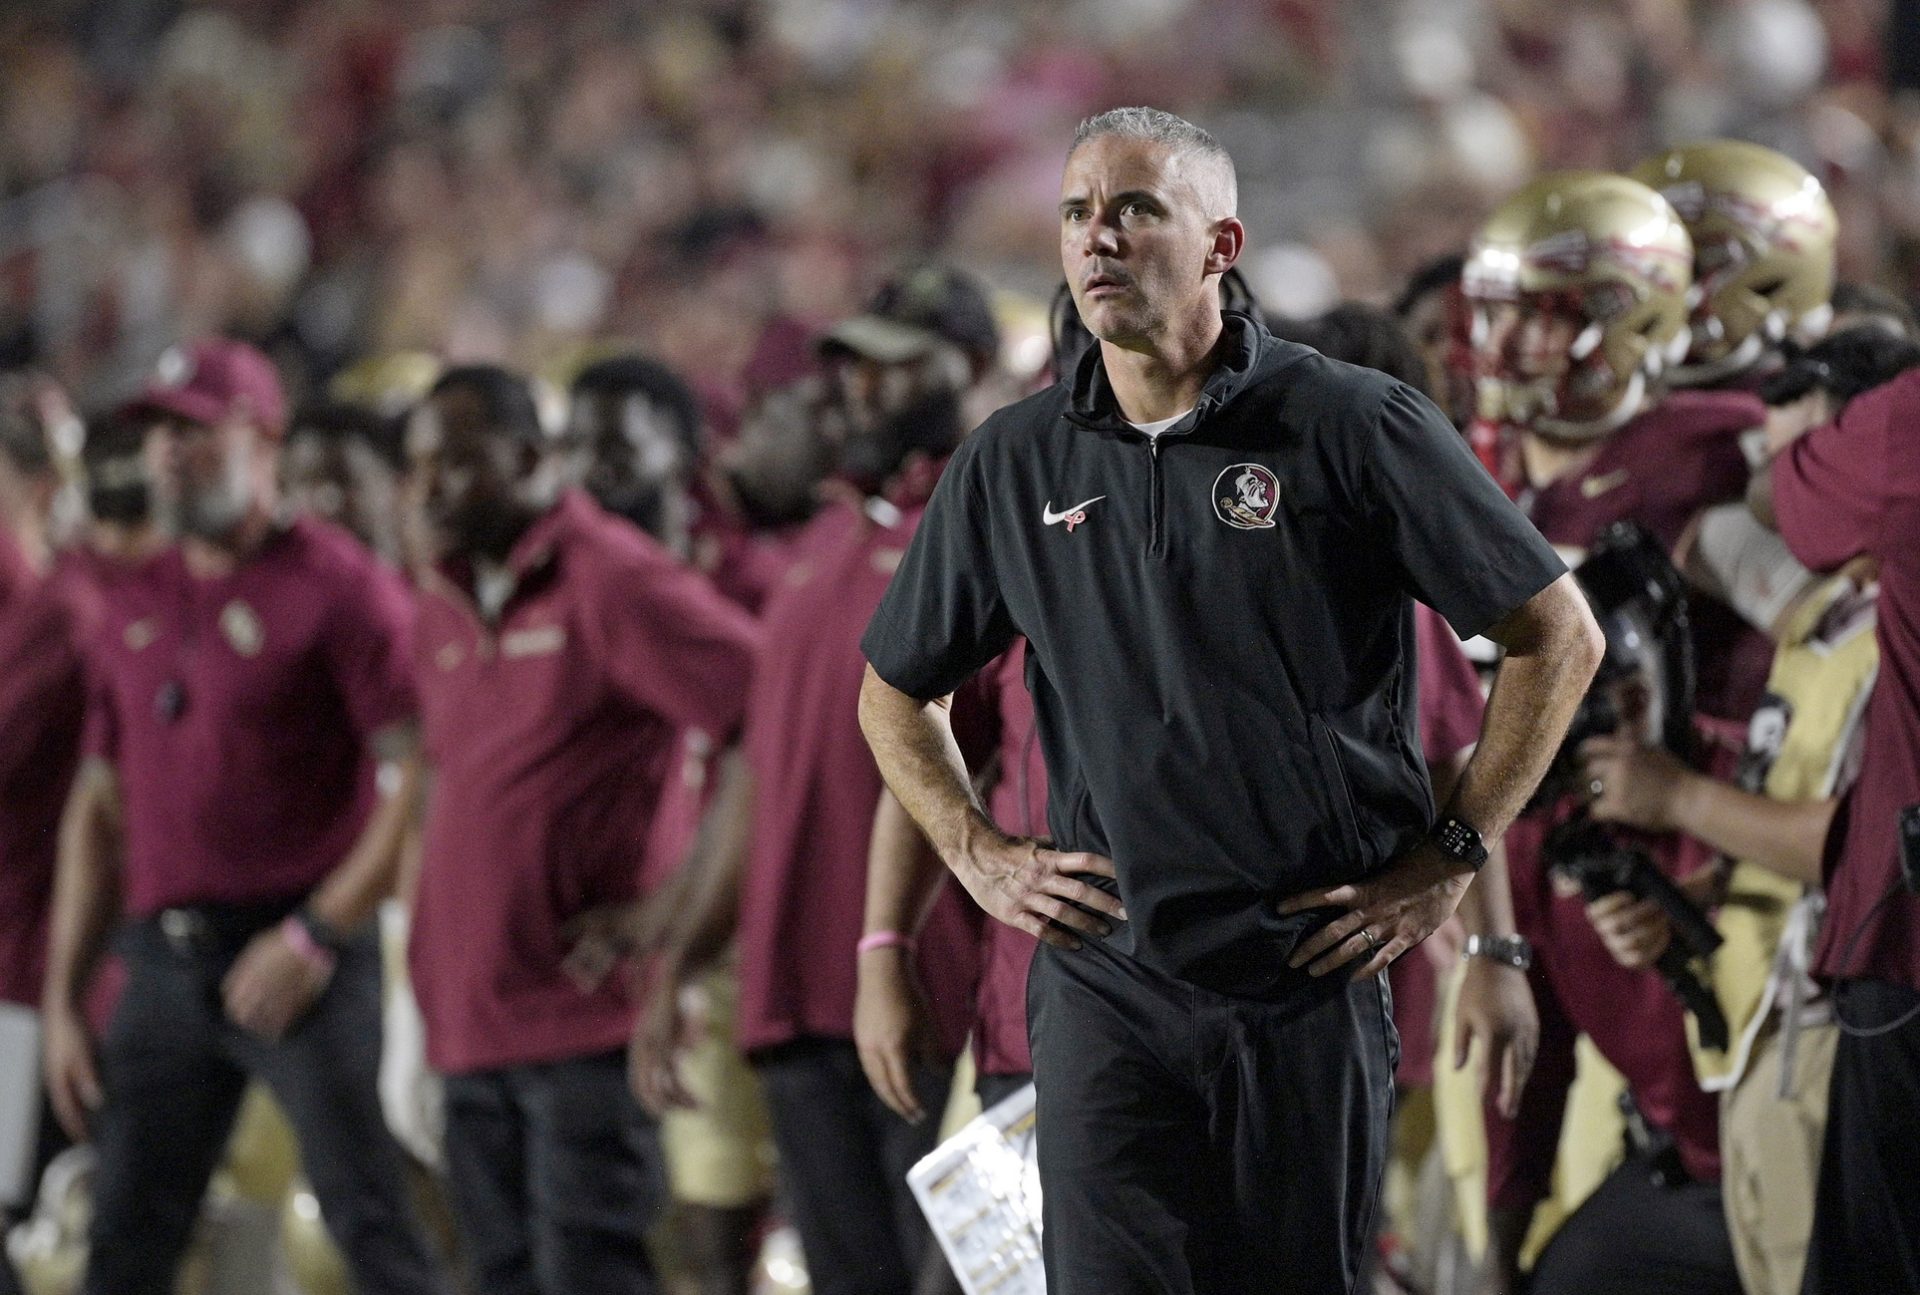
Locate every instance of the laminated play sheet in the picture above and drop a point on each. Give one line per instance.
(980, 1189)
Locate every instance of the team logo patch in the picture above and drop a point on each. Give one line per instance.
(1246, 496)
(241, 624)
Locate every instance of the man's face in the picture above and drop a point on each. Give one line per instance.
(1439, 327)
(1140, 227)
(787, 445)
(892, 410)
(466, 484)
(203, 473)
(633, 455)
(344, 481)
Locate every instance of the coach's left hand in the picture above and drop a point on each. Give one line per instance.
(1388, 913)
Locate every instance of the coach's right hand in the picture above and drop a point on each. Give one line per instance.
(73, 1076)
(892, 1029)
(672, 1019)
(1039, 891)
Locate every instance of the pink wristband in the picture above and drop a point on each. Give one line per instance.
(301, 941)
(883, 940)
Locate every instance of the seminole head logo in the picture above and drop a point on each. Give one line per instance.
(1246, 496)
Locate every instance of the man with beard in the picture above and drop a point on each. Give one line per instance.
(560, 653)
(783, 860)
(245, 683)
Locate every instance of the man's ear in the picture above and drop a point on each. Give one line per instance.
(1229, 237)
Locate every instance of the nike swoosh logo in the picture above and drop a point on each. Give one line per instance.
(1594, 487)
(1052, 518)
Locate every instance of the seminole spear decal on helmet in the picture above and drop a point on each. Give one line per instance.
(1608, 261)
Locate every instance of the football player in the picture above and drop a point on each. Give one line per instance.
(1579, 285)
(1763, 235)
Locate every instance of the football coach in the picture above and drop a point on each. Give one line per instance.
(1211, 539)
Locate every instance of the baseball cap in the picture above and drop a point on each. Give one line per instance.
(209, 380)
(916, 311)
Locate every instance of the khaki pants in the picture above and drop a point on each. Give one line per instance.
(1771, 1150)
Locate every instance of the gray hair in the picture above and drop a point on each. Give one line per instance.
(1157, 126)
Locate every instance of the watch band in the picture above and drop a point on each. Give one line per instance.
(322, 933)
(1459, 840)
(1510, 950)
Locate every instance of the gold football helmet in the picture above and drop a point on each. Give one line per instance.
(1763, 234)
(1578, 284)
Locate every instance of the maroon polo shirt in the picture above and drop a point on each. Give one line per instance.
(1018, 804)
(42, 694)
(1660, 470)
(1847, 489)
(815, 787)
(237, 711)
(744, 572)
(551, 736)
(1451, 707)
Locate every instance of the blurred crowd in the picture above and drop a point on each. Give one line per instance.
(494, 180)
(641, 332)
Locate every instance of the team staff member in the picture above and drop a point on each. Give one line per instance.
(41, 688)
(891, 1024)
(786, 866)
(1582, 282)
(634, 443)
(1842, 491)
(245, 681)
(559, 652)
(1209, 538)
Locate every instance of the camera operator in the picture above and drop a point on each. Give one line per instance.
(1802, 752)
(1846, 490)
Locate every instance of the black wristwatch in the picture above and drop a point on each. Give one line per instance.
(1510, 950)
(1458, 840)
(324, 934)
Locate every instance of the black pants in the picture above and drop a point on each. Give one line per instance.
(994, 1089)
(1194, 1144)
(555, 1174)
(175, 1069)
(1866, 1212)
(1634, 1236)
(844, 1159)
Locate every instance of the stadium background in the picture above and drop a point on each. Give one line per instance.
(713, 182)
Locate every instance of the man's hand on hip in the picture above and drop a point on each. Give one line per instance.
(271, 985)
(1037, 890)
(1389, 913)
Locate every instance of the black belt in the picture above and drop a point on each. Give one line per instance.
(216, 930)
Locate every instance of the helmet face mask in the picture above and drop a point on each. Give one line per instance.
(1579, 287)
(1763, 232)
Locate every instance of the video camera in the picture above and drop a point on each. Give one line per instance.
(1587, 854)
(1640, 600)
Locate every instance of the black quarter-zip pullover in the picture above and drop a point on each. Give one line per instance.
(1220, 626)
